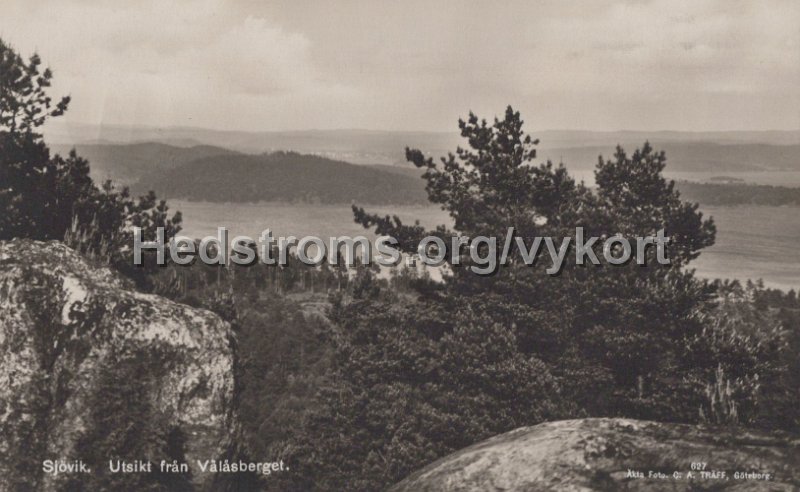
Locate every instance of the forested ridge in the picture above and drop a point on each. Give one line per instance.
(740, 194)
(128, 163)
(283, 177)
(223, 176)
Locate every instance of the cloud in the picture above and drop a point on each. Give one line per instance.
(166, 62)
(246, 64)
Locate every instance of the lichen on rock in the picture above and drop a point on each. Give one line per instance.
(615, 454)
(77, 343)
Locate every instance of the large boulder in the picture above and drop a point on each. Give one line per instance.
(93, 370)
(616, 454)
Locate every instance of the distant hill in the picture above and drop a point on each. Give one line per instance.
(578, 148)
(212, 173)
(297, 178)
(209, 173)
(128, 163)
(681, 157)
(730, 194)
(387, 147)
(285, 177)
(692, 156)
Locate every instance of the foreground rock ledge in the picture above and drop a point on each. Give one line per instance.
(597, 454)
(72, 332)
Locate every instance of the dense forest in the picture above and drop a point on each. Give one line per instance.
(739, 194)
(292, 177)
(286, 177)
(356, 380)
(127, 164)
(208, 173)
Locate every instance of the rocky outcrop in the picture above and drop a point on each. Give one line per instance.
(616, 454)
(90, 368)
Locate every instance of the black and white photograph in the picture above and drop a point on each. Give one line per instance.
(417, 246)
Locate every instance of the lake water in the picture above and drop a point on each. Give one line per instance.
(752, 241)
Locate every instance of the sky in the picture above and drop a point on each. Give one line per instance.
(692, 65)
